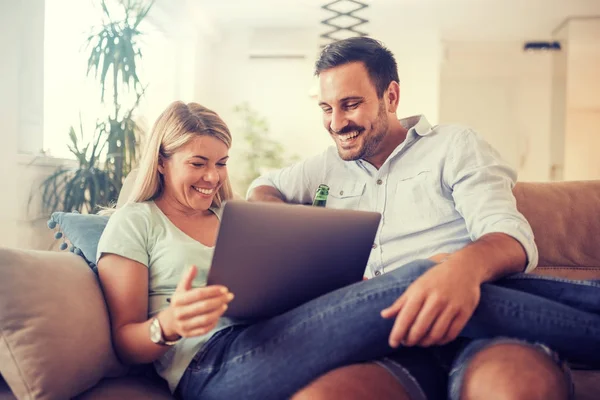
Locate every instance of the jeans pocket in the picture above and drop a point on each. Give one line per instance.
(192, 383)
(197, 362)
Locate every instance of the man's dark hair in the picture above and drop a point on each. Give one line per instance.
(378, 60)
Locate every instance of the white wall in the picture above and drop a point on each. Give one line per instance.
(277, 89)
(419, 56)
(10, 16)
(582, 103)
(21, 109)
(504, 94)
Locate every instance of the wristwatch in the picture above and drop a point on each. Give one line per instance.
(157, 335)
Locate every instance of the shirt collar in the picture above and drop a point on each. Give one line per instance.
(416, 125)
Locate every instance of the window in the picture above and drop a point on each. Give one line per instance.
(69, 93)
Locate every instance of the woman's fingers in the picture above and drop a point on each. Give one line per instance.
(185, 283)
(197, 310)
(203, 322)
(198, 294)
(202, 306)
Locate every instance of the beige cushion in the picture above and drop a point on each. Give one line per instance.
(54, 326)
(564, 219)
(129, 388)
(127, 188)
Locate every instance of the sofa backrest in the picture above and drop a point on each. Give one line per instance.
(565, 217)
(127, 188)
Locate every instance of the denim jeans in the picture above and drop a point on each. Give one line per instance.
(273, 358)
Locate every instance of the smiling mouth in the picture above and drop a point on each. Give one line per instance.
(204, 191)
(348, 136)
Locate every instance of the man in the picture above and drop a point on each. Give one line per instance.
(443, 193)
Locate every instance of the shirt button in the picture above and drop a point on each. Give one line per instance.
(377, 273)
(341, 192)
(379, 181)
(374, 245)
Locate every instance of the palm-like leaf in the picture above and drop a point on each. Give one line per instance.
(114, 46)
(87, 186)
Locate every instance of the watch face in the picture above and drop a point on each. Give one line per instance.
(155, 332)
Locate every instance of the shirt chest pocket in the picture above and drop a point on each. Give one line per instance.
(346, 195)
(418, 202)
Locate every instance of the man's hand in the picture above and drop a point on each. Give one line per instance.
(436, 307)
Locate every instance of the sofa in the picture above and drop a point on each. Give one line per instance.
(54, 326)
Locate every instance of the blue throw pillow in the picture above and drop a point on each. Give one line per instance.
(82, 230)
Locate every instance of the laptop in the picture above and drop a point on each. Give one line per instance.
(274, 257)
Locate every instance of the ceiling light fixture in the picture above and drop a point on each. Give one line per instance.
(542, 46)
(344, 22)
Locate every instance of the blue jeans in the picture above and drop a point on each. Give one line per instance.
(274, 358)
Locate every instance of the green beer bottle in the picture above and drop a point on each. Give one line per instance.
(321, 196)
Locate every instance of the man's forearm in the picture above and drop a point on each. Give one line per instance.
(266, 193)
(491, 257)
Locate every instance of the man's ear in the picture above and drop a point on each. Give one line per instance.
(392, 97)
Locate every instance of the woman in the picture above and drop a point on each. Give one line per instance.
(162, 311)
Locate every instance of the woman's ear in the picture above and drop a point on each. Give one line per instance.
(161, 165)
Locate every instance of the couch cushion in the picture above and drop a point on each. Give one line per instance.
(82, 230)
(575, 273)
(54, 326)
(130, 388)
(565, 220)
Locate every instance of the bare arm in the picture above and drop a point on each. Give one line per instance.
(265, 194)
(192, 312)
(295, 184)
(125, 286)
(491, 257)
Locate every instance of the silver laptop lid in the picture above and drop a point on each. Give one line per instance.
(274, 257)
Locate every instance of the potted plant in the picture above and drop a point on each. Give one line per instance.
(106, 159)
(260, 152)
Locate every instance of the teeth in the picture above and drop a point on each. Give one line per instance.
(349, 136)
(204, 191)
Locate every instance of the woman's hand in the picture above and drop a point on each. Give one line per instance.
(193, 311)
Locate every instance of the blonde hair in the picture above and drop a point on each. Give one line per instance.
(174, 128)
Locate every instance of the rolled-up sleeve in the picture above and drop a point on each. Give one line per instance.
(481, 184)
(297, 183)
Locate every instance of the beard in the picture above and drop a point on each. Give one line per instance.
(370, 140)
